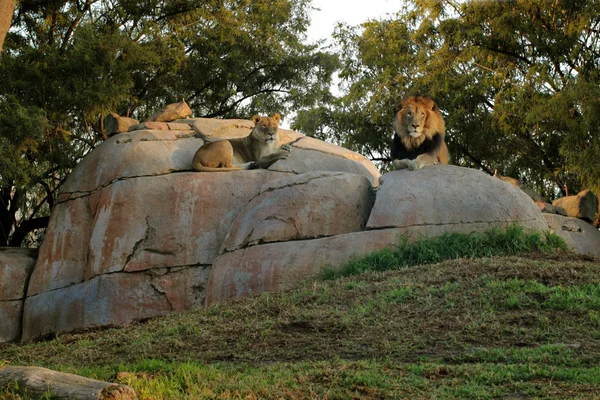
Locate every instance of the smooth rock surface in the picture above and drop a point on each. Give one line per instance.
(581, 237)
(453, 198)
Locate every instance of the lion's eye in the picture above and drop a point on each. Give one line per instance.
(409, 114)
(422, 114)
(263, 126)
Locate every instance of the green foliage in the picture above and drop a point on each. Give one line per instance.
(517, 81)
(492, 243)
(67, 63)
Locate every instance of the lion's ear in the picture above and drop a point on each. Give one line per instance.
(428, 102)
(277, 117)
(256, 119)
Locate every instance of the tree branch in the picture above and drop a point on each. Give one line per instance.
(26, 227)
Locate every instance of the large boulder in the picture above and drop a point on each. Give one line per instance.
(581, 237)
(428, 202)
(445, 198)
(584, 205)
(135, 232)
(16, 265)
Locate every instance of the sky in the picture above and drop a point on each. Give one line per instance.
(352, 12)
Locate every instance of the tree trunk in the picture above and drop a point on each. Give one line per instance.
(7, 7)
(36, 383)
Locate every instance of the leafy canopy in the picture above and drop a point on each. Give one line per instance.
(67, 63)
(518, 82)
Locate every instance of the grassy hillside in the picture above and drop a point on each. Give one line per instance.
(513, 327)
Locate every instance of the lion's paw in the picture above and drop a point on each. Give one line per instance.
(403, 164)
(253, 165)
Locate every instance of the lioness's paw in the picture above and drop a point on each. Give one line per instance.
(403, 164)
(286, 147)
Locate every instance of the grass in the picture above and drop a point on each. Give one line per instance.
(493, 243)
(511, 327)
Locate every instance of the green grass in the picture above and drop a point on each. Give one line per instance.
(493, 243)
(515, 327)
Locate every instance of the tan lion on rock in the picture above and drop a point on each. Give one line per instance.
(258, 150)
(419, 138)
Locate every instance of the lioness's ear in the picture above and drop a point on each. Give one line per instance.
(256, 119)
(277, 117)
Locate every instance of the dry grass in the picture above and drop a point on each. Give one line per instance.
(488, 328)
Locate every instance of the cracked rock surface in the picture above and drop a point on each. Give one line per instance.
(428, 202)
(135, 231)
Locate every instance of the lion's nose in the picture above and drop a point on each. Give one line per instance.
(416, 126)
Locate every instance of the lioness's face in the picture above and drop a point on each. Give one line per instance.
(414, 117)
(266, 129)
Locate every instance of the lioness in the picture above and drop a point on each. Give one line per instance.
(258, 150)
(419, 138)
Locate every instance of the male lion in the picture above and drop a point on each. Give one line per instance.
(419, 138)
(258, 150)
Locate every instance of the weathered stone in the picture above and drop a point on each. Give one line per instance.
(132, 155)
(16, 265)
(306, 206)
(428, 202)
(11, 313)
(132, 208)
(581, 237)
(149, 125)
(172, 112)
(451, 197)
(546, 207)
(114, 299)
(273, 267)
(114, 123)
(584, 205)
(314, 155)
(183, 221)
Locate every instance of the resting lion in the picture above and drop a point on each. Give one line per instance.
(419, 138)
(258, 150)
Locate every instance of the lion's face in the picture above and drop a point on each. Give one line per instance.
(266, 129)
(418, 119)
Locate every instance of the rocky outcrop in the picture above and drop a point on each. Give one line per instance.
(114, 123)
(16, 265)
(581, 237)
(172, 112)
(450, 199)
(134, 232)
(584, 205)
(429, 202)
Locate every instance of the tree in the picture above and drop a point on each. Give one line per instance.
(518, 82)
(67, 63)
